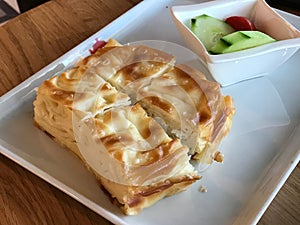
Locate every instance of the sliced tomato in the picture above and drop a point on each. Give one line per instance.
(97, 45)
(240, 23)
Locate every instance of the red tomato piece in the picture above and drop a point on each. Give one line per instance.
(240, 23)
(97, 45)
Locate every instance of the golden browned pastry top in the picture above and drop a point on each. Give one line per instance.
(128, 138)
(128, 147)
(184, 98)
(81, 89)
(123, 65)
(133, 117)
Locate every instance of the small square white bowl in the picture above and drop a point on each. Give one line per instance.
(237, 66)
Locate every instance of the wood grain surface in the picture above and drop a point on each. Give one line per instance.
(28, 43)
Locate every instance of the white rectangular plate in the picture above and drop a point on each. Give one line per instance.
(260, 152)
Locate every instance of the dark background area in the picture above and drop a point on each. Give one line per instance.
(25, 5)
(292, 4)
(289, 3)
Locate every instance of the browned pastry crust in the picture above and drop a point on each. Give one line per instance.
(133, 199)
(135, 119)
(151, 79)
(126, 67)
(200, 116)
(89, 116)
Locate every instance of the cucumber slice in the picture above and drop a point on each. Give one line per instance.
(241, 40)
(219, 47)
(209, 29)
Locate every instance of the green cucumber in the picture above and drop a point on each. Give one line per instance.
(240, 40)
(209, 29)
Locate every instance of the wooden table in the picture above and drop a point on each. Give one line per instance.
(27, 44)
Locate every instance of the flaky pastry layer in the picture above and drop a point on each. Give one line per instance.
(128, 151)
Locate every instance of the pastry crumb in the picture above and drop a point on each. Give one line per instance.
(203, 189)
(219, 157)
